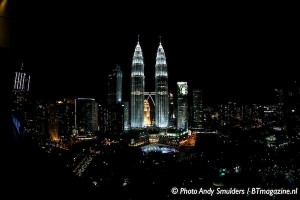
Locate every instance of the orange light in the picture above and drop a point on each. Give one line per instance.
(3, 4)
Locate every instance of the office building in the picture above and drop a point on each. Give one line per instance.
(137, 89)
(115, 78)
(182, 106)
(86, 119)
(197, 108)
(161, 89)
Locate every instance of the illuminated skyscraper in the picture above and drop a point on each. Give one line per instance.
(197, 108)
(137, 88)
(22, 80)
(172, 111)
(119, 84)
(20, 92)
(161, 89)
(182, 106)
(126, 115)
(20, 101)
(115, 86)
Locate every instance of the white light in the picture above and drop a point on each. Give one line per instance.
(24, 76)
(28, 83)
(18, 80)
(21, 81)
(15, 80)
(183, 87)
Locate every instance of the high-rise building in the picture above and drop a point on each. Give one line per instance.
(161, 89)
(111, 118)
(22, 80)
(147, 119)
(172, 111)
(61, 119)
(119, 84)
(53, 122)
(39, 125)
(115, 86)
(103, 117)
(137, 88)
(197, 108)
(86, 116)
(126, 115)
(20, 100)
(20, 91)
(182, 106)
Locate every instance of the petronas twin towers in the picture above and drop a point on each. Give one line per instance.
(138, 89)
(161, 89)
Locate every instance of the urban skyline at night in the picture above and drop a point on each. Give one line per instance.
(229, 52)
(217, 90)
(130, 101)
(86, 134)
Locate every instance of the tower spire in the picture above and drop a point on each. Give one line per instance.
(138, 39)
(137, 88)
(161, 88)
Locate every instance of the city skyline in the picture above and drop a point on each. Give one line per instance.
(140, 102)
(230, 52)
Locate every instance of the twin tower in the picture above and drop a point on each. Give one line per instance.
(138, 89)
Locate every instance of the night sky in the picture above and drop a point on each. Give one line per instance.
(239, 54)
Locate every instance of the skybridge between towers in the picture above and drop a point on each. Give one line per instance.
(149, 95)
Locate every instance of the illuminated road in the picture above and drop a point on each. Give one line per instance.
(189, 140)
(81, 167)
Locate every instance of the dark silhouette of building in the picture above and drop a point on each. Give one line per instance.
(61, 119)
(111, 118)
(86, 116)
(172, 111)
(114, 94)
(197, 108)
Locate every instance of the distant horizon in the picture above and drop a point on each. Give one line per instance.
(223, 99)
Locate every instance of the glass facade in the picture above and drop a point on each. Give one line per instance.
(22, 80)
(114, 94)
(161, 89)
(182, 106)
(119, 84)
(86, 116)
(197, 108)
(137, 88)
